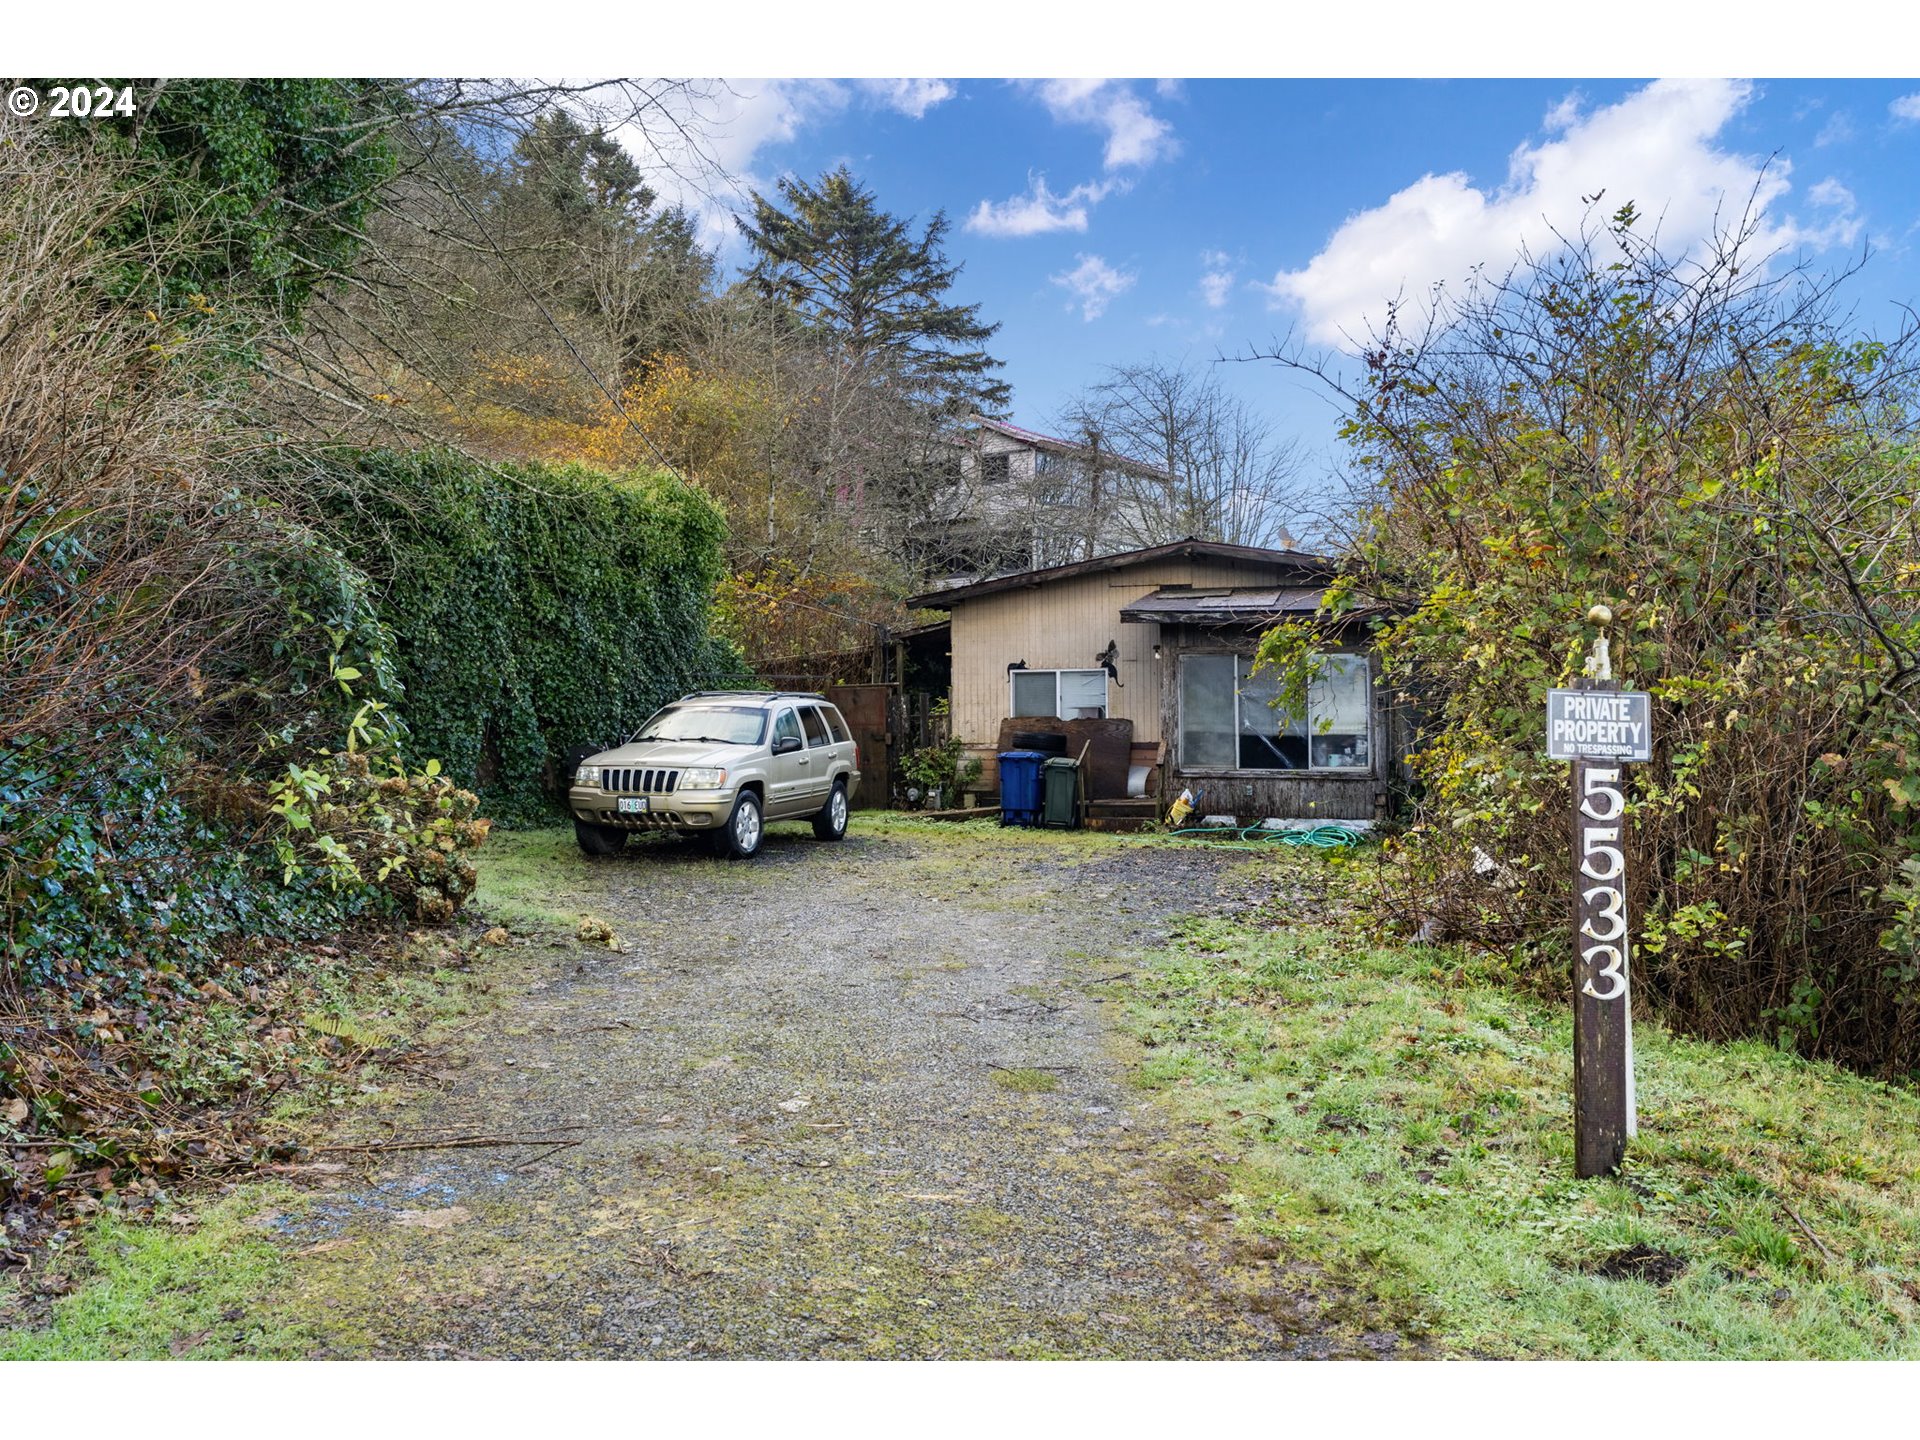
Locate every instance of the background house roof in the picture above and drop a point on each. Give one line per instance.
(1294, 562)
(1055, 445)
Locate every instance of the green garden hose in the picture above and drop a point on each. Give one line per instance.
(1258, 837)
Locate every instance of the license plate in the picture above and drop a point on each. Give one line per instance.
(633, 804)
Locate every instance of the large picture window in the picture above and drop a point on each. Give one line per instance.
(1229, 719)
(1064, 694)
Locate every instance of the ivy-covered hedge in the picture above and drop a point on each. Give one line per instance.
(535, 608)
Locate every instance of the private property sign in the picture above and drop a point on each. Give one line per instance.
(1599, 725)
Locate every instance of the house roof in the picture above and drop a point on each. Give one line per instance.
(1178, 604)
(1298, 561)
(1070, 447)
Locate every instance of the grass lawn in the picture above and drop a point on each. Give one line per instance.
(1405, 1122)
(198, 1289)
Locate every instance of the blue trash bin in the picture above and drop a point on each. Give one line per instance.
(1020, 794)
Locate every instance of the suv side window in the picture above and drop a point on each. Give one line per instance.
(786, 726)
(816, 728)
(835, 724)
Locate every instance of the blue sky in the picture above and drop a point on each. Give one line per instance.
(1105, 222)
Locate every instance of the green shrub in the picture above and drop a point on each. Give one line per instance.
(535, 608)
(150, 840)
(274, 177)
(110, 875)
(402, 836)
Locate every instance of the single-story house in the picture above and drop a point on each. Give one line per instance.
(1164, 638)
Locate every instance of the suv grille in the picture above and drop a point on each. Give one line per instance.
(646, 782)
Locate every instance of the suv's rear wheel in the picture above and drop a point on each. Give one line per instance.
(741, 837)
(831, 822)
(599, 839)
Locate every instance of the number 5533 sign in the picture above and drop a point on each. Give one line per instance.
(1600, 731)
(1602, 911)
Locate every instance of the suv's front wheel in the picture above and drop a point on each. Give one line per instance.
(599, 840)
(831, 822)
(741, 838)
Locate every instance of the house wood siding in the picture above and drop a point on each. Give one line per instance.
(1063, 625)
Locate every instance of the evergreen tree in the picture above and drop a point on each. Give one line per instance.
(638, 274)
(875, 292)
(575, 176)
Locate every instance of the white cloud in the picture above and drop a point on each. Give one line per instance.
(1040, 211)
(1830, 192)
(1094, 285)
(1563, 115)
(1837, 131)
(1655, 148)
(1216, 284)
(700, 149)
(1135, 135)
(909, 97)
(1906, 109)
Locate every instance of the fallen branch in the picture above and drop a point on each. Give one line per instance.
(453, 1142)
(1057, 1069)
(552, 1148)
(1807, 1230)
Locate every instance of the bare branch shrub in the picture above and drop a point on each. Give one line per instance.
(113, 515)
(1711, 449)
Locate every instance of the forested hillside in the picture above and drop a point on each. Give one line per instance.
(255, 674)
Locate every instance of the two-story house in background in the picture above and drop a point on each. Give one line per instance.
(1020, 500)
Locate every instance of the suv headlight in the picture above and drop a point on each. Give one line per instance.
(587, 775)
(703, 778)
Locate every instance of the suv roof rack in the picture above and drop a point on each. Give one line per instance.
(758, 694)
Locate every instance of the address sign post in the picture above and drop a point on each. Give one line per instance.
(1601, 730)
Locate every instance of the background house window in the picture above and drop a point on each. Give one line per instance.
(1064, 694)
(1043, 463)
(995, 469)
(1228, 720)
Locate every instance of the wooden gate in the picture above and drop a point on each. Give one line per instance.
(869, 711)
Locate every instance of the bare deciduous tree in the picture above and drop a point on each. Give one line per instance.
(1213, 467)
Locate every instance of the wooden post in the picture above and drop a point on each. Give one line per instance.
(1600, 729)
(1603, 1117)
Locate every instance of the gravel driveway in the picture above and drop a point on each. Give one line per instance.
(840, 1101)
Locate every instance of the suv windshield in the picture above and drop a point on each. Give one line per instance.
(723, 724)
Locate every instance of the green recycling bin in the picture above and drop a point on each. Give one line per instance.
(1060, 787)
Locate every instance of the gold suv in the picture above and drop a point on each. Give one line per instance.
(721, 763)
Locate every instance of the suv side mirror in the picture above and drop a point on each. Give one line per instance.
(786, 744)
